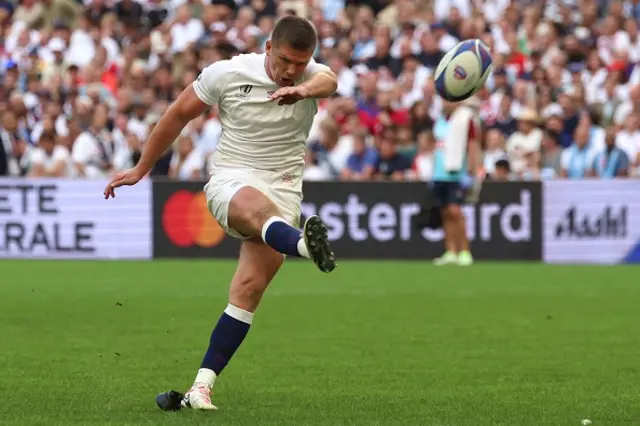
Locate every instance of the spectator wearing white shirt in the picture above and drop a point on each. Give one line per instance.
(347, 79)
(445, 40)
(187, 162)
(527, 139)
(494, 150)
(185, 30)
(423, 163)
(92, 151)
(137, 122)
(628, 106)
(312, 172)
(628, 139)
(50, 159)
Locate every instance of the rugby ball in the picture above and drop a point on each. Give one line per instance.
(463, 70)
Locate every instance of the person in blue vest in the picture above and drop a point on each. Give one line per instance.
(576, 160)
(457, 133)
(612, 162)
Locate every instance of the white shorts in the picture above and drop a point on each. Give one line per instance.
(283, 189)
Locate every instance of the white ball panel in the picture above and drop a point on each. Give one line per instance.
(462, 73)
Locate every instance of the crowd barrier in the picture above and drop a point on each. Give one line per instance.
(555, 221)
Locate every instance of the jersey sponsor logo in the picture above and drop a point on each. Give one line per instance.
(187, 222)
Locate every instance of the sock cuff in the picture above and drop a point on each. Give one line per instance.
(268, 223)
(239, 314)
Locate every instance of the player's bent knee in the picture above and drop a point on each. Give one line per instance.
(249, 209)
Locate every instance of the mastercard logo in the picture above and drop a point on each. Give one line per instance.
(187, 221)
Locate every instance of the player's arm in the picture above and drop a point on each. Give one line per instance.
(192, 102)
(321, 84)
(320, 81)
(187, 107)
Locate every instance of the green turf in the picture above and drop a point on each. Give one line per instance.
(384, 343)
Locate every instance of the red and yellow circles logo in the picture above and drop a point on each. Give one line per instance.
(187, 221)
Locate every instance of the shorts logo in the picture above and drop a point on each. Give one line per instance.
(288, 178)
(186, 221)
(459, 73)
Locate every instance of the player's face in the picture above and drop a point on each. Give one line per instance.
(285, 64)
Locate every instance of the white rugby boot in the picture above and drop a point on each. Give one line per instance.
(448, 258)
(198, 398)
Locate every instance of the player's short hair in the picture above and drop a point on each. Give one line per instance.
(296, 32)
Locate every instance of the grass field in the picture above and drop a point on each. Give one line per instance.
(385, 343)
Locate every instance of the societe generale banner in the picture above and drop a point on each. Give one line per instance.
(63, 218)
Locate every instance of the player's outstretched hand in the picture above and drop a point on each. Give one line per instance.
(290, 95)
(126, 178)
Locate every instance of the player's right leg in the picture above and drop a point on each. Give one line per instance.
(257, 265)
(251, 213)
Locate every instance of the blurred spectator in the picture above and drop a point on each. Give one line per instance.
(577, 159)
(362, 162)
(423, 162)
(526, 140)
(93, 149)
(494, 150)
(50, 159)
(610, 162)
(331, 152)
(551, 165)
(313, 172)
(391, 164)
(188, 163)
(502, 171)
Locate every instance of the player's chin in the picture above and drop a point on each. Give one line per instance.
(285, 82)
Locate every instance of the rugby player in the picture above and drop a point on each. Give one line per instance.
(267, 104)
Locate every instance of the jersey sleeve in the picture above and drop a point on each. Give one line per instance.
(212, 81)
(314, 67)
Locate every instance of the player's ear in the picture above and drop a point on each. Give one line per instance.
(268, 47)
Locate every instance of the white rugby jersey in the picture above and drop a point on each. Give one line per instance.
(256, 132)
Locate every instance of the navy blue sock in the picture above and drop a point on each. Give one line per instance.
(283, 237)
(230, 331)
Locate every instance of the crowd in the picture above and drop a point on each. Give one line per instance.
(85, 81)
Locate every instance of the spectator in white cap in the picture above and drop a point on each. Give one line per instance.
(527, 139)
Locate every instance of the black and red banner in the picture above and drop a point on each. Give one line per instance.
(365, 220)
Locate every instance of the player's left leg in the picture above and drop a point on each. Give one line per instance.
(442, 191)
(464, 256)
(459, 234)
(252, 213)
(257, 265)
